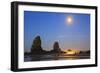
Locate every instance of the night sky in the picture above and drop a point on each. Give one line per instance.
(51, 27)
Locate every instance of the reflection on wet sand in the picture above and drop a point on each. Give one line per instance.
(48, 57)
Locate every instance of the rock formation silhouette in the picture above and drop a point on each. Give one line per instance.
(56, 48)
(38, 50)
(36, 46)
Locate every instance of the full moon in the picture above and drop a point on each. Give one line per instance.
(69, 20)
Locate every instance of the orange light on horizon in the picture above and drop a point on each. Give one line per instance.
(72, 51)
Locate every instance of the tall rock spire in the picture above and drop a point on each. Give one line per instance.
(36, 46)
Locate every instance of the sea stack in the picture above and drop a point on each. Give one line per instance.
(36, 46)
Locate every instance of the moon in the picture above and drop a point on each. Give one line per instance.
(69, 19)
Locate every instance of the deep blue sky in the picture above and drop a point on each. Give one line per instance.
(51, 27)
